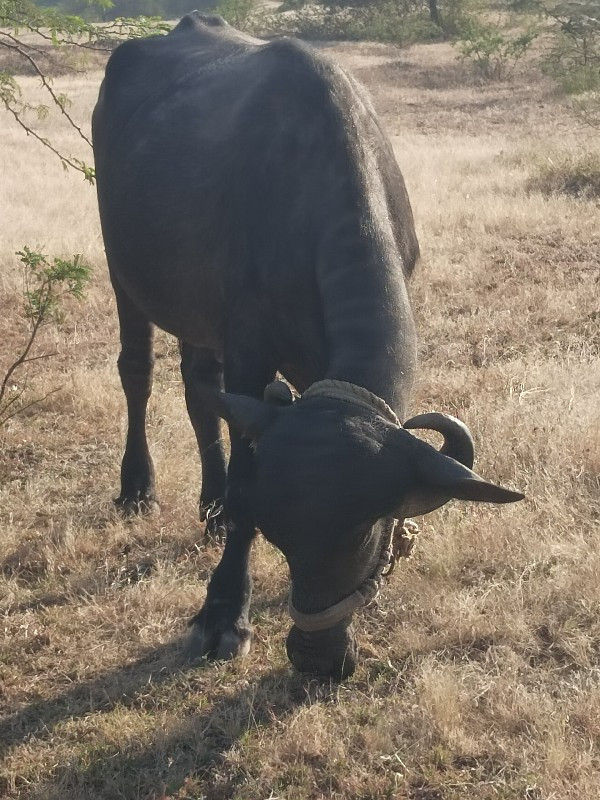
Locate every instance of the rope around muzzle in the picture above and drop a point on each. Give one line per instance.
(398, 541)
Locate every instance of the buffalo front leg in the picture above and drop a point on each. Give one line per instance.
(222, 628)
(136, 360)
(199, 366)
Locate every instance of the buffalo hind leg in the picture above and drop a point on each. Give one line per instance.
(222, 628)
(136, 360)
(199, 366)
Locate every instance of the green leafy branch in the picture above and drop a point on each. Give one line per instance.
(10, 96)
(18, 17)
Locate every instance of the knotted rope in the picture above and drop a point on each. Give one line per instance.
(351, 393)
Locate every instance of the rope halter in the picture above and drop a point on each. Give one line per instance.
(398, 540)
(350, 393)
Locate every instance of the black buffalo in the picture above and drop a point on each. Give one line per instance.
(251, 205)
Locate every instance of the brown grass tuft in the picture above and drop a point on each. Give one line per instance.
(574, 175)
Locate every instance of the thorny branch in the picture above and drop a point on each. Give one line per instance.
(75, 164)
(45, 285)
(23, 358)
(60, 102)
(31, 403)
(61, 31)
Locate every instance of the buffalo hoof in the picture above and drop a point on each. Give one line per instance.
(139, 505)
(219, 645)
(213, 515)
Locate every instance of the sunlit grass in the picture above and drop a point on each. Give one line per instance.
(480, 665)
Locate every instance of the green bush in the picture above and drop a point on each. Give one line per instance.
(493, 53)
(105, 10)
(580, 79)
(573, 57)
(46, 285)
(382, 21)
(455, 14)
(237, 12)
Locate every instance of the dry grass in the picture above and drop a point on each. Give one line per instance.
(575, 174)
(481, 665)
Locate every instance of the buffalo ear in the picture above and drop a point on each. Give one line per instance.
(427, 479)
(248, 416)
(278, 393)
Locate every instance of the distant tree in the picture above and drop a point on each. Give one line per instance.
(434, 13)
(574, 55)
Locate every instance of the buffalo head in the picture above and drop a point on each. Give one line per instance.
(330, 477)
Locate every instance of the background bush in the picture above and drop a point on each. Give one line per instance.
(573, 174)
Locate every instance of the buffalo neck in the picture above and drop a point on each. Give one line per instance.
(368, 323)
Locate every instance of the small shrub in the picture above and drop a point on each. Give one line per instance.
(236, 12)
(587, 107)
(45, 286)
(454, 14)
(573, 175)
(581, 79)
(493, 53)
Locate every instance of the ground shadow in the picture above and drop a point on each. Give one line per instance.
(159, 762)
(193, 750)
(102, 693)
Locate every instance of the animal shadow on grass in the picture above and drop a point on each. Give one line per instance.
(160, 759)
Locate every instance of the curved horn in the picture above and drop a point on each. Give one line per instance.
(429, 478)
(458, 442)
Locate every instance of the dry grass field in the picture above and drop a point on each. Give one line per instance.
(480, 664)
